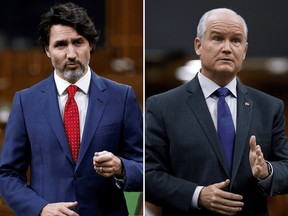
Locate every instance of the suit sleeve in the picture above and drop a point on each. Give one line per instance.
(279, 155)
(132, 151)
(14, 163)
(161, 187)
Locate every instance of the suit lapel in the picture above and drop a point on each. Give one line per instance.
(244, 112)
(50, 108)
(97, 103)
(198, 105)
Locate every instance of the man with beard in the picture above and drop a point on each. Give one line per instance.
(80, 134)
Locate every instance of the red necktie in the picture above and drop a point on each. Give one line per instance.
(71, 122)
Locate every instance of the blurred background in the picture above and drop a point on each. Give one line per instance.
(119, 55)
(170, 60)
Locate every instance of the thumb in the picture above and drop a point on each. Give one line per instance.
(101, 153)
(252, 142)
(223, 184)
(71, 204)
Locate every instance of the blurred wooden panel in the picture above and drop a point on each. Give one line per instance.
(278, 205)
(4, 210)
(125, 29)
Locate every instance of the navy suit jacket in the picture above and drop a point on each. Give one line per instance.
(35, 137)
(183, 150)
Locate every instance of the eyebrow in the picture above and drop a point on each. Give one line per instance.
(77, 38)
(66, 41)
(220, 33)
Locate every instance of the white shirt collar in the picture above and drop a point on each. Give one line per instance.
(208, 86)
(83, 83)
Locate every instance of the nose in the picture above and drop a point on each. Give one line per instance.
(227, 46)
(71, 53)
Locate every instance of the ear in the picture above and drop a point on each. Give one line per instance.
(197, 46)
(246, 48)
(47, 52)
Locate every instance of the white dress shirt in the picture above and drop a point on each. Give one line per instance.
(82, 99)
(208, 88)
(81, 96)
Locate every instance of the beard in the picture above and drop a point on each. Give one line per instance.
(72, 74)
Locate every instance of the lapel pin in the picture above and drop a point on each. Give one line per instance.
(247, 104)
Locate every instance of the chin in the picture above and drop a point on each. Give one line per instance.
(73, 75)
(227, 69)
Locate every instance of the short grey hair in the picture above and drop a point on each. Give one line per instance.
(202, 25)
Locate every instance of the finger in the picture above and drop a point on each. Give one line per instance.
(69, 212)
(260, 157)
(106, 164)
(102, 157)
(67, 208)
(102, 170)
(94, 160)
(97, 157)
(232, 204)
(228, 210)
(99, 161)
(231, 199)
(100, 153)
(259, 152)
(229, 205)
(99, 169)
(258, 169)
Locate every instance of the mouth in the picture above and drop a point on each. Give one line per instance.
(226, 59)
(71, 65)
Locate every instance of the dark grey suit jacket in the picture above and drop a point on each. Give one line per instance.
(183, 150)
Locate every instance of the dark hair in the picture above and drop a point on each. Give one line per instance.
(68, 14)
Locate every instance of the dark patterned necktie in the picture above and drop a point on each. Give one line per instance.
(71, 122)
(225, 126)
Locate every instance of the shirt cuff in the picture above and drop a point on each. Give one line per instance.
(120, 181)
(195, 196)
